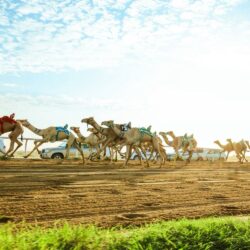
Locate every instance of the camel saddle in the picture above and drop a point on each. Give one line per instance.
(146, 131)
(62, 129)
(8, 119)
(126, 126)
(187, 140)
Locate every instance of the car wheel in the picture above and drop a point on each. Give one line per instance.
(57, 156)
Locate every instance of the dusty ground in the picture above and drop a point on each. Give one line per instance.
(106, 194)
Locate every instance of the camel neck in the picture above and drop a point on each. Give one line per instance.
(97, 127)
(173, 136)
(35, 130)
(80, 135)
(220, 145)
(167, 140)
(116, 130)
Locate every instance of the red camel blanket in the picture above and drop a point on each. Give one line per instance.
(8, 119)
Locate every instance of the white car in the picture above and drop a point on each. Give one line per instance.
(2, 147)
(60, 152)
(205, 154)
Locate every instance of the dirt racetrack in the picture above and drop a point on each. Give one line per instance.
(108, 194)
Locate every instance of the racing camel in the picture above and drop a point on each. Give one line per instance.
(135, 137)
(8, 124)
(53, 134)
(92, 140)
(110, 137)
(225, 148)
(186, 143)
(240, 149)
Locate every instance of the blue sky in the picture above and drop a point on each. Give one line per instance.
(179, 65)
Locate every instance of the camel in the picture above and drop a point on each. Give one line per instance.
(149, 147)
(53, 134)
(8, 124)
(120, 141)
(240, 149)
(110, 137)
(225, 148)
(186, 143)
(102, 139)
(92, 140)
(247, 143)
(134, 137)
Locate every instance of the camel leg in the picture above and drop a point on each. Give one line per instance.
(111, 150)
(176, 154)
(90, 153)
(239, 157)
(102, 148)
(38, 151)
(116, 155)
(79, 150)
(139, 154)
(11, 147)
(145, 154)
(120, 153)
(244, 156)
(19, 144)
(157, 148)
(37, 145)
(128, 154)
(69, 144)
(151, 154)
(190, 152)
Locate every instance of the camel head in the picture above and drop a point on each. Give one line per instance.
(24, 122)
(162, 133)
(216, 142)
(75, 129)
(88, 120)
(109, 123)
(171, 133)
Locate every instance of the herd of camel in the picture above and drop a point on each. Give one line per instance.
(115, 137)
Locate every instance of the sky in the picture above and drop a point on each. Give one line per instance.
(180, 65)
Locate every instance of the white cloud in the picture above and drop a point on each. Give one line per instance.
(52, 35)
(9, 85)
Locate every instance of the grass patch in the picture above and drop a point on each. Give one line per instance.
(215, 233)
(4, 158)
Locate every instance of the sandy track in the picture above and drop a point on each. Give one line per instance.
(104, 194)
